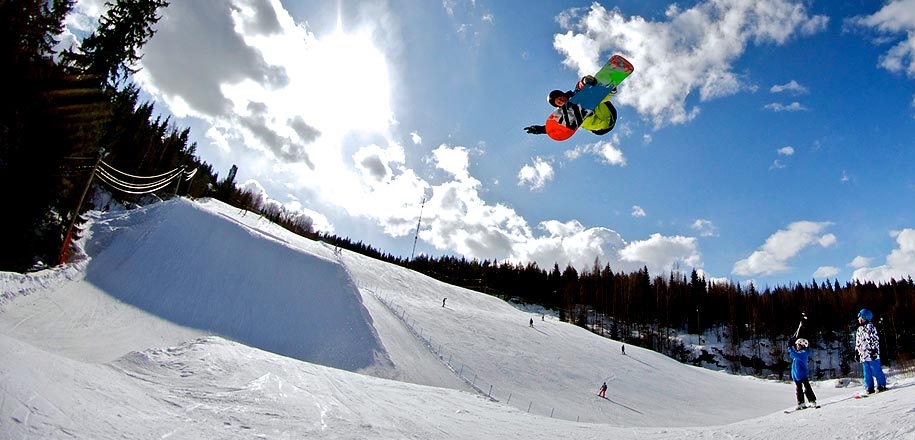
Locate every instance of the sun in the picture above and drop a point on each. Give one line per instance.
(349, 78)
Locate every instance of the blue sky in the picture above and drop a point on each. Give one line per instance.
(769, 141)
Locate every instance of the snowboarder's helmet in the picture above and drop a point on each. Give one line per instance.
(553, 95)
(803, 342)
(866, 315)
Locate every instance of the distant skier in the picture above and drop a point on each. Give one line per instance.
(800, 373)
(443, 302)
(532, 322)
(623, 349)
(603, 390)
(867, 345)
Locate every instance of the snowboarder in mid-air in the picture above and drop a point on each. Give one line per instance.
(598, 121)
(588, 106)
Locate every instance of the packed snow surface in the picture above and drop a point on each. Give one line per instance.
(195, 320)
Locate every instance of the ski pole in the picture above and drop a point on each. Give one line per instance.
(799, 325)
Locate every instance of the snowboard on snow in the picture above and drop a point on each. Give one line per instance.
(864, 395)
(565, 120)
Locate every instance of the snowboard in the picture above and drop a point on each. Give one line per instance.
(565, 120)
(865, 395)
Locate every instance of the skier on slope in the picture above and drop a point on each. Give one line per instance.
(603, 390)
(599, 121)
(867, 346)
(800, 373)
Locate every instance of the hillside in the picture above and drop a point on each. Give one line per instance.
(195, 319)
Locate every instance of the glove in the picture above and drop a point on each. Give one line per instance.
(873, 354)
(535, 129)
(589, 80)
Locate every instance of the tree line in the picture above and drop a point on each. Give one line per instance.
(64, 110)
(647, 310)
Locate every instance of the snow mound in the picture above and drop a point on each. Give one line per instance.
(209, 272)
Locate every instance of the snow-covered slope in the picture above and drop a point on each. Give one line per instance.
(121, 345)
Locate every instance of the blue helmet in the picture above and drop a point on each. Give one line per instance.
(866, 315)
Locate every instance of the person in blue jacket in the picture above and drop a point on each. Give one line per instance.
(867, 346)
(800, 373)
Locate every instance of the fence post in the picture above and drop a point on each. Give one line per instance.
(66, 245)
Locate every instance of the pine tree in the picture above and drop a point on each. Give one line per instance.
(111, 52)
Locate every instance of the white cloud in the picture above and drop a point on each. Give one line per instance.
(416, 138)
(894, 18)
(900, 263)
(793, 107)
(784, 151)
(605, 151)
(705, 228)
(773, 255)
(792, 87)
(637, 211)
(859, 262)
(571, 243)
(826, 272)
(662, 254)
(693, 50)
(827, 240)
(536, 175)
(454, 160)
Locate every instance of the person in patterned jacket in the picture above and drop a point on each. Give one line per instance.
(867, 346)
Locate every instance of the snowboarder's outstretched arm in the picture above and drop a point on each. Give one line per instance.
(535, 129)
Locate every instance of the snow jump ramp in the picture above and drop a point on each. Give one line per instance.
(203, 271)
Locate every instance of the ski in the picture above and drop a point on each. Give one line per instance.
(789, 411)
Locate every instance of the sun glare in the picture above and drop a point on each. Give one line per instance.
(352, 82)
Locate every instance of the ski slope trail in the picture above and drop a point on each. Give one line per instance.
(176, 272)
